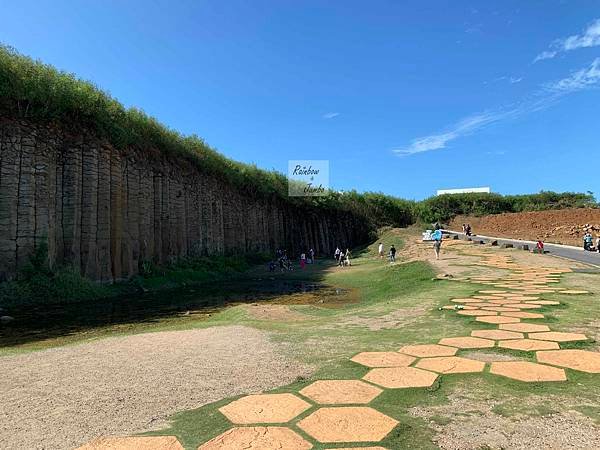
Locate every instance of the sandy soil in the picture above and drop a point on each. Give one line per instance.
(478, 427)
(63, 397)
(564, 226)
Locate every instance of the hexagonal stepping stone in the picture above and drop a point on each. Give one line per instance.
(486, 297)
(341, 392)
(466, 300)
(428, 350)
(401, 377)
(524, 327)
(467, 342)
(523, 315)
(527, 371)
(383, 359)
(348, 424)
(499, 309)
(264, 408)
(451, 364)
(543, 302)
(257, 438)
(497, 319)
(522, 305)
(134, 443)
(558, 336)
(477, 312)
(359, 448)
(497, 334)
(582, 360)
(574, 292)
(528, 345)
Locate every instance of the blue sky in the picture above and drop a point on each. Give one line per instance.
(402, 97)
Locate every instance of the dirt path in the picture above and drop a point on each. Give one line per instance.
(63, 397)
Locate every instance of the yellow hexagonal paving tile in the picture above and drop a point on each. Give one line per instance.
(497, 319)
(359, 448)
(558, 336)
(257, 438)
(451, 364)
(527, 371)
(134, 443)
(524, 327)
(522, 305)
(581, 360)
(347, 424)
(401, 377)
(500, 309)
(477, 312)
(466, 300)
(543, 302)
(341, 392)
(467, 342)
(523, 315)
(428, 350)
(264, 408)
(497, 334)
(528, 345)
(383, 359)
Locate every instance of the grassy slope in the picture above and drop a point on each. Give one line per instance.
(327, 340)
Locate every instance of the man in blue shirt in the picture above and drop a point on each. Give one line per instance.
(437, 242)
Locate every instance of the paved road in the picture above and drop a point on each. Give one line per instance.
(565, 251)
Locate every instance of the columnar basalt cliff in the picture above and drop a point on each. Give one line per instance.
(106, 210)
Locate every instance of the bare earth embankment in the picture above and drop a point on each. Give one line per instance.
(564, 226)
(63, 397)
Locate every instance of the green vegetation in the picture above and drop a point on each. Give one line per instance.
(444, 207)
(39, 284)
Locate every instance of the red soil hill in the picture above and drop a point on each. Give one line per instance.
(564, 226)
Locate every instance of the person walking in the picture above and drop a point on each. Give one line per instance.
(337, 254)
(380, 249)
(302, 260)
(341, 259)
(311, 252)
(598, 244)
(347, 262)
(437, 242)
(392, 254)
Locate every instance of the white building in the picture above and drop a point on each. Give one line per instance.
(485, 190)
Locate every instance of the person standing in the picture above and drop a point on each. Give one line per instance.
(588, 241)
(311, 253)
(380, 250)
(598, 244)
(540, 247)
(392, 254)
(437, 242)
(302, 260)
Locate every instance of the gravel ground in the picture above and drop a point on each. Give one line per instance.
(63, 397)
(477, 427)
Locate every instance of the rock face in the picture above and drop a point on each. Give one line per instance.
(107, 211)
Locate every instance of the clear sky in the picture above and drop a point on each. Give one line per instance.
(403, 97)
